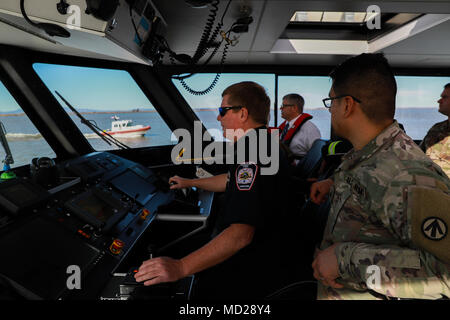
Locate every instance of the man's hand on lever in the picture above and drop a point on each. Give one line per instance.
(177, 182)
(161, 269)
(216, 183)
(219, 249)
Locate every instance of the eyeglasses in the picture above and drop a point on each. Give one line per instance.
(328, 101)
(287, 105)
(223, 110)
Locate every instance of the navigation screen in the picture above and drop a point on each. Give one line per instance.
(18, 193)
(96, 207)
(86, 169)
(134, 186)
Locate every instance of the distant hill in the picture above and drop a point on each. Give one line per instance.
(82, 110)
(12, 112)
(87, 110)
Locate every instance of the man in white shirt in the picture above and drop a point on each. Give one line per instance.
(297, 132)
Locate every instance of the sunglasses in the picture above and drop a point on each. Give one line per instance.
(223, 110)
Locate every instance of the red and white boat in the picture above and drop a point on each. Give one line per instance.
(124, 128)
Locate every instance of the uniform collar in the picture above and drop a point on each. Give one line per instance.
(384, 138)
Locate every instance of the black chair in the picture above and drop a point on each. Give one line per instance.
(306, 168)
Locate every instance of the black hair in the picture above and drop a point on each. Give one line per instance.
(369, 78)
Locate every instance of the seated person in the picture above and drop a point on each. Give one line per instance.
(332, 154)
(436, 143)
(297, 132)
(386, 235)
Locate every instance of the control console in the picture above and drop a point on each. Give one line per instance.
(79, 230)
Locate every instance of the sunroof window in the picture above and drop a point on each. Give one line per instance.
(24, 140)
(111, 100)
(332, 16)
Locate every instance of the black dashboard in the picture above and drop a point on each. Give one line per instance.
(86, 220)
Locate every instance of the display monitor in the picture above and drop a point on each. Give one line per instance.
(19, 194)
(97, 208)
(134, 186)
(86, 170)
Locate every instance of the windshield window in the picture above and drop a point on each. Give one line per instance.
(416, 103)
(24, 140)
(104, 96)
(416, 106)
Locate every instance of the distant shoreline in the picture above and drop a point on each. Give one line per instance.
(151, 111)
(11, 114)
(89, 112)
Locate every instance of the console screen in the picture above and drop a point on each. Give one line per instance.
(96, 207)
(18, 193)
(134, 186)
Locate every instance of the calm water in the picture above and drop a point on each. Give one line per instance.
(26, 143)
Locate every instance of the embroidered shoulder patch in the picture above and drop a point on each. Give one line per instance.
(429, 220)
(245, 176)
(434, 228)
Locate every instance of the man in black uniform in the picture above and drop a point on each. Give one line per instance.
(245, 257)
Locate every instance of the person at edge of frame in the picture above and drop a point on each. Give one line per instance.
(386, 235)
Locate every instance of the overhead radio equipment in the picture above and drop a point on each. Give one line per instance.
(115, 28)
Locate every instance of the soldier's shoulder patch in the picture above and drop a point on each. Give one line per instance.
(429, 217)
(434, 228)
(245, 176)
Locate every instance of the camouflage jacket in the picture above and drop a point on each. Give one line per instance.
(436, 133)
(371, 222)
(436, 145)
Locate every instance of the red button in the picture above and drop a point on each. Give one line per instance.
(116, 246)
(144, 214)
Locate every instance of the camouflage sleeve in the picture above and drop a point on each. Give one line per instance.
(394, 270)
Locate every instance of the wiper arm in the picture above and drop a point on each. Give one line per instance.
(105, 137)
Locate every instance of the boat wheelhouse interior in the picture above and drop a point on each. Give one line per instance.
(80, 208)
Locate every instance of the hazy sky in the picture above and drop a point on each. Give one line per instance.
(99, 89)
(413, 92)
(102, 89)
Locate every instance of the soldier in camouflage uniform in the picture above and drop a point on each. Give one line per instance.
(387, 230)
(436, 143)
